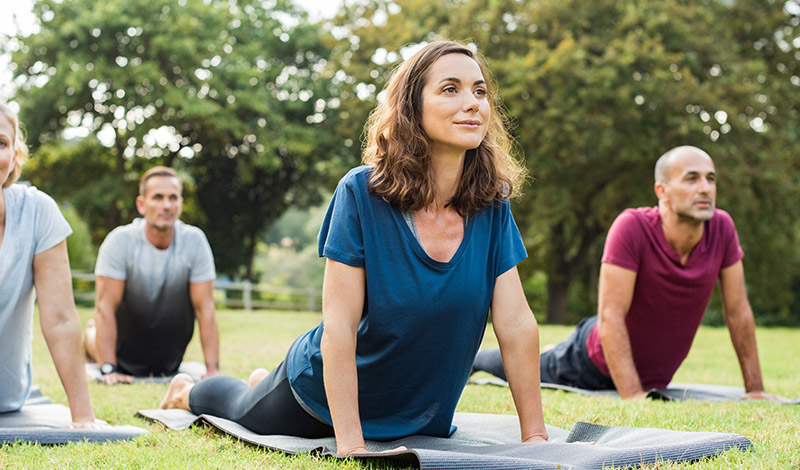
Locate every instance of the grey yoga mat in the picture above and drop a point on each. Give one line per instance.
(674, 391)
(196, 370)
(44, 422)
(485, 441)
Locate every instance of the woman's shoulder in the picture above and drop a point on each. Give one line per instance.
(498, 206)
(356, 181)
(357, 176)
(25, 195)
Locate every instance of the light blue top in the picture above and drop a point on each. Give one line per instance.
(423, 320)
(34, 224)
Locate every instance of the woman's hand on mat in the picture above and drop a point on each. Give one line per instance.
(536, 438)
(88, 425)
(359, 450)
(117, 378)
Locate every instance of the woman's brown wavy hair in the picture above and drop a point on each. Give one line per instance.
(399, 148)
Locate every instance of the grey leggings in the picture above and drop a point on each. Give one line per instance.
(267, 408)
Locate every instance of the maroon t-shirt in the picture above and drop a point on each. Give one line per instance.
(669, 299)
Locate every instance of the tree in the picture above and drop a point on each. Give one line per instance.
(599, 90)
(232, 93)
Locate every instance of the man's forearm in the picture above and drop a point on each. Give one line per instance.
(106, 335)
(210, 345)
(619, 357)
(741, 326)
(615, 292)
(209, 340)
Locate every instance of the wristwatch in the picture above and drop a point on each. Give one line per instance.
(108, 368)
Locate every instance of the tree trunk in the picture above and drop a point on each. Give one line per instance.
(557, 296)
(564, 269)
(250, 254)
(594, 275)
(558, 278)
(113, 215)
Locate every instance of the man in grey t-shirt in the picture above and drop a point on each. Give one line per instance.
(153, 278)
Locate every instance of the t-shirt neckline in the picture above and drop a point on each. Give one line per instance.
(414, 242)
(665, 245)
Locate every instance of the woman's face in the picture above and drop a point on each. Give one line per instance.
(7, 152)
(455, 105)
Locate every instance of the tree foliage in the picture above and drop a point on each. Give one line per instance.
(232, 93)
(599, 90)
(258, 109)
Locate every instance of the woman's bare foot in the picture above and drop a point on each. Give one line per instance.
(257, 376)
(178, 393)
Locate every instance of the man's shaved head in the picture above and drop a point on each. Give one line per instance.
(664, 163)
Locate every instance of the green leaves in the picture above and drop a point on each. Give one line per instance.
(599, 90)
(260, 108)
(226, 91)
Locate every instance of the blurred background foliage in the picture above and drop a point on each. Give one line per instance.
(261, 110)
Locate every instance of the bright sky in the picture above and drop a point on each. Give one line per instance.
(17, 15)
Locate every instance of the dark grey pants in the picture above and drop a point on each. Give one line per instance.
(567, 364)
(267, 408)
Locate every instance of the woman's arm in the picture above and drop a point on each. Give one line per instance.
(61, 328)
(342, 305)
(518, 335)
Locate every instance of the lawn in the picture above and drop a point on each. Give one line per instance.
(252, 340)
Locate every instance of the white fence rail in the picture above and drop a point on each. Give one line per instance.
(244, 295)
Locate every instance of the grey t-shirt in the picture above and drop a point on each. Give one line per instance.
(155, 320)
(34, 224)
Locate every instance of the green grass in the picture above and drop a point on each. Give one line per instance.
(251, 340)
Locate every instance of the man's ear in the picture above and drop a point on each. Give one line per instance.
(140, 204)
(661, 191)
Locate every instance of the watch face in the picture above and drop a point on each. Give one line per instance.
(107, 368)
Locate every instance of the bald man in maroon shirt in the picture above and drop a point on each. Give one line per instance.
(659, 267)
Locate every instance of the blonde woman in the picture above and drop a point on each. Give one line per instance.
(33, 254)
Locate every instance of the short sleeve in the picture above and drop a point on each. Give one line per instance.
(622, 245)
(512, 248)
(341, 237)
(733, 250)
(51, 226)
(203, 269)
(111, 258)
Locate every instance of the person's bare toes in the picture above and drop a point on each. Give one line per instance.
(257, 376)
(177, 391)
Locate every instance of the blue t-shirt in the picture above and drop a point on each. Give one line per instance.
(423, 320)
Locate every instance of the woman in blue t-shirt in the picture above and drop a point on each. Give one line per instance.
(33, 253)
(419, 244)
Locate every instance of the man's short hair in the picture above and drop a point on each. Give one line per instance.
(662, 167)
(664, 161)
(157, 171)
